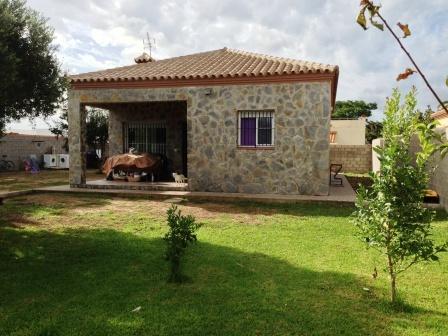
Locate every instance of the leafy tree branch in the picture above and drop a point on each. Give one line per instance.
(32, 83)
(353, 109)
(372, 11)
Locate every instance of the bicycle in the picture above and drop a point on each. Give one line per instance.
(7, 165)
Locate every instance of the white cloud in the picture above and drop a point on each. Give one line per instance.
(96, 34)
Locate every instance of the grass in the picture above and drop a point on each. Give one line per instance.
(80, 265)
(17, 181)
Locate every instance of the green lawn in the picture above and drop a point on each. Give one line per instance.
(80, 265)
(16, 181)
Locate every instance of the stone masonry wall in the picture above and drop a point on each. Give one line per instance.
(298, 163)
(354, 158)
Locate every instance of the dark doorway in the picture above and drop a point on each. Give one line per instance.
(184, 148)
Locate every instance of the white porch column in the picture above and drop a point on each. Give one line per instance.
(76, 140)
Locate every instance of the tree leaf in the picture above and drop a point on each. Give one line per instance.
(362, 18)
(404, 75)
(376, 24)
(405, 29)
(364, 3)
(373, 10)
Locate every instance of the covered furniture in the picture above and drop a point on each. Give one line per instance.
(132, 163)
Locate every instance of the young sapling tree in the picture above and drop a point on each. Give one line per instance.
(181, 233)
(390, 215)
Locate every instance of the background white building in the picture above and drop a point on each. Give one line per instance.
(348, 131)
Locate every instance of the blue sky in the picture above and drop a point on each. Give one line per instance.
(97, 34)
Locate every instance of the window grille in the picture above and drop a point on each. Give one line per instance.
(145, 137)
(256, 128)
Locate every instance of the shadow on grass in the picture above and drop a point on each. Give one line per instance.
(87, 282)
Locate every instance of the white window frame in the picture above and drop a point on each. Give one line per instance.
(257, 115)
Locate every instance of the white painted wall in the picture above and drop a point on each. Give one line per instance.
(349, 131)
(375, 161)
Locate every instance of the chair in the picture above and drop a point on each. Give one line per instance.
(335, 169)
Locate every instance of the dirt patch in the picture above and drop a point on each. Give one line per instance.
(158, 209)
(66, 201)
(59, 211)
(20, 180)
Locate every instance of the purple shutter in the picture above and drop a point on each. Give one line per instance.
(248, 131)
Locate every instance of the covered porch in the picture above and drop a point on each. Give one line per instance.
(158, 128)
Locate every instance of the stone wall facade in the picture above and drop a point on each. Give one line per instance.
(354, 158)
(19, 147)
(297, 164)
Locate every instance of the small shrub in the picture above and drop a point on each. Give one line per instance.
(181, 234)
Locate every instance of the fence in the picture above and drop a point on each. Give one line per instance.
(354, 158)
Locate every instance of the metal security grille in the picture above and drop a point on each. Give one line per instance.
(256, 128)
(145, 137)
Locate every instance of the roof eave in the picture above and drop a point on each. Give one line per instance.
(240, 80)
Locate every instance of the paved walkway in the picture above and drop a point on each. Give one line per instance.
(344, 194)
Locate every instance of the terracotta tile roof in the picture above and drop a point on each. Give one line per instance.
(222, 63)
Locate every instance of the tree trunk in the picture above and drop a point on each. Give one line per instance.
(393, 278)
(393, 288)
(175, 275)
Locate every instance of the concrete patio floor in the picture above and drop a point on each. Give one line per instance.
(338, 194)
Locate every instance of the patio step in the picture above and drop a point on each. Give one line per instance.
(143, 186)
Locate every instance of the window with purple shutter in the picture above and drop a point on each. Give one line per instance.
(256, 128)
(248, 132)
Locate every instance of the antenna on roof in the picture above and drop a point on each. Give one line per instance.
(149, 43)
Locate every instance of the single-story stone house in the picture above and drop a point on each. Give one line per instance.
(231, 121)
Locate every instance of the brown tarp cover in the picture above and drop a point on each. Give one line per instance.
(132, 162)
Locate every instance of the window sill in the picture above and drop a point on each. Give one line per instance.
(255, 148)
